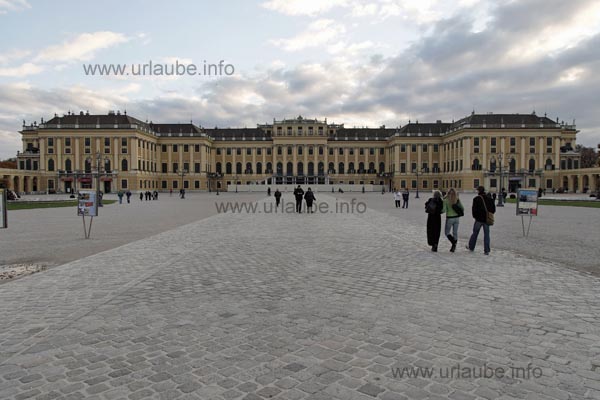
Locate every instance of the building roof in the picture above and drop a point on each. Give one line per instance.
(163, 129)
(381, 133)
(238, 134)
(506, 121)
(415, 128)
(94, 119)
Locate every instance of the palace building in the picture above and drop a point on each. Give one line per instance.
(63, 154)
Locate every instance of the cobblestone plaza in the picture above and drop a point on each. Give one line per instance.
(287, 306)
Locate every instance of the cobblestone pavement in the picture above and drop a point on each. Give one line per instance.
(287, 306)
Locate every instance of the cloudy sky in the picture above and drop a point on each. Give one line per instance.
(360, 62)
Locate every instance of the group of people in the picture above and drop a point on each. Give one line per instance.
(299, 195)
(404, 196)
(148, 195)
(127, 194)
(483, 211)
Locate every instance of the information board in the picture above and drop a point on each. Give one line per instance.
(3, 213)
(87, 204)
(527, 202)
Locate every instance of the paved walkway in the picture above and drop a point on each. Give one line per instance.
(286, 306)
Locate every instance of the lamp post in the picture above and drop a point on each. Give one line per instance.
(501, 194)
(236, 183)
(416, 171)
(182, 173)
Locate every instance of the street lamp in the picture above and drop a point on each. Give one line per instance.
(182, 173)
(501, 194)
(417, 172)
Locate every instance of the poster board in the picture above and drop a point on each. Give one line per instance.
(527, 202)
(3, 213)
(87, 204)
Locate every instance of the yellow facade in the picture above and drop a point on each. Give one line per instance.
(519, 150)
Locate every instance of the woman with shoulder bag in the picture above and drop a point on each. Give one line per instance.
(454, 210)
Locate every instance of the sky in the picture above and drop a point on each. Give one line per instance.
(357, 62)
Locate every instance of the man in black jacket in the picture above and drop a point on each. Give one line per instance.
(482, 204)
(299, 194)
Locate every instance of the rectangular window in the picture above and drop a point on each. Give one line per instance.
(321, 131)
(196, 184)
(361, 151)
(124, 183)
(372, 151)
(268, 151)
(403, 168)
(351, 151)
(493, 182)
(425, 184)
(436, 148)
(197, 148)
(436, 184)
(475, 183)
(532, 141)
(175, 167)
(413, 184)
(124, 142)
(164, 148)
(310, 150)
(289, 150)
(331, 151)
(341, 151)
(228, 151)
(249, 151)
(186, 148)
(548, 183)
(513, 141)
(493, 141)
(175, 148)
(413, 148)
(381, 151)
(175, 184)
(164, 184)
(164, 168)
(186, 166)
(197, 168)
(413, 167)
(476, 141)
(106, 142)
(87, 142)
(532, 183)
(50, 142)
(259, 151)
(402, 148)
(424, 148)
(238, 151)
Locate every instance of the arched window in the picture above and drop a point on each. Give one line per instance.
(289, 169)
(381, 167)
(320, 150)
(88, 165)
(107, 165)
(219, 168)
(361, 167)
(351, 168)
(289, 150)
(311, 169)
(279, 168)
(269, 168)
(531, 165)
(321, 168)
(259, 168)
(238, 168)
(493, 165)
(124, 165)
(341, 168)
(512, 165)
(300, 150)
(371, 167)
(476, 165)
(50, 165)
(248, 168)
(331, 168)
(68, 165)
(279, 150)
(228, 168)
(300, 168)
(549, 164)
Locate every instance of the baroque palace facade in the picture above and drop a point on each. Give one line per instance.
(494, 150)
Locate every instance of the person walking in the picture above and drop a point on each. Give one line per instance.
(170, 192)
(397, 197)
(309, 196)
(155, 195)
(453, 209)
(277, 198)
(299, 194)
(120, 195)
(182, 193)
(434, 208)
(141, 196)
(483, 211)
(269, 191)
(405, 197)
(128, 194)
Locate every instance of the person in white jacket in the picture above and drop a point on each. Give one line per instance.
(397, 197)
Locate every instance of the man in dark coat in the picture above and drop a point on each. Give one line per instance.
(299, 194)
(277, 198)
(482, 204)
(434, 207)
(309, 196)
